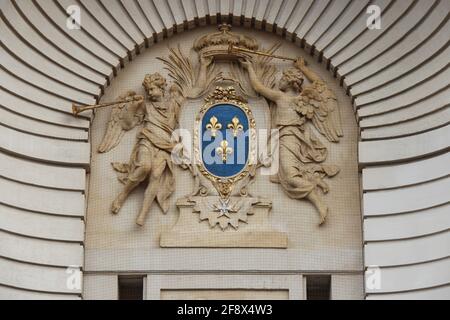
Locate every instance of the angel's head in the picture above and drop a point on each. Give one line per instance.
(155, 86)
(292, 78)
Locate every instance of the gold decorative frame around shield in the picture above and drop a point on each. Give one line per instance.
(228, 95)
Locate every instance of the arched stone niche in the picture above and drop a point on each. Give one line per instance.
(397, 77)
(114, 243)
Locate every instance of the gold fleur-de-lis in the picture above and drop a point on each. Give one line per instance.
(235, 126)
(213, 126)
(224, 150)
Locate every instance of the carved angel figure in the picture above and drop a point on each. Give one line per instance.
(158, 113)
(293, 108)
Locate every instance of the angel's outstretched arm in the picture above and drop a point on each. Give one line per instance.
(301, 65)
(258, 86)
(202, 77)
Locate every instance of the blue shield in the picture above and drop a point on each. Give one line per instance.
(225, 140)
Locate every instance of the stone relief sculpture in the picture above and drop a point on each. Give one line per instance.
(293, 108)
(221, 188)
(157, 111)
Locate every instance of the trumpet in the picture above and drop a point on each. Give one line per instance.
(233, 49)
(76, 109)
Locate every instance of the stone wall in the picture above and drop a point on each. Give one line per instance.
(397, 78)
(114, 243)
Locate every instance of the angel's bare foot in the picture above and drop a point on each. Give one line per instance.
(325, 188)
(117, 204)
(140, 220)
(323, 212)
(322, 185)
(320, 206)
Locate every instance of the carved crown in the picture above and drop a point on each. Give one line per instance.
(217, 44)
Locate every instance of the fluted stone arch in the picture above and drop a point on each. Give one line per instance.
(398, 78)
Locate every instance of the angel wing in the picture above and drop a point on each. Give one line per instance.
(318, 103)
(182, 71)
(267, 74)
(124, 117)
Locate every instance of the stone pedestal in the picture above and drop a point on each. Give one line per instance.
(190, 231)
